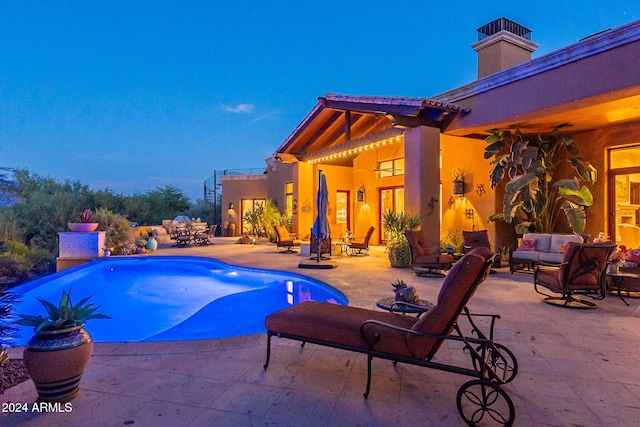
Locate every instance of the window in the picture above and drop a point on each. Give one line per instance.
(288, 198)
(391, 168)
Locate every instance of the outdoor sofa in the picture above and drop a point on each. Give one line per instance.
(540, 247)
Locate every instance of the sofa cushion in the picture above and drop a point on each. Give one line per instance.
(526, 244)
(551, 258)
(557, 240)
(543, 240)
(526, 255)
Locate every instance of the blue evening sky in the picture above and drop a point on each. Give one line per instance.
(134, 95)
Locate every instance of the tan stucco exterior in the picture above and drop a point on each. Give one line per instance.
(591, 84)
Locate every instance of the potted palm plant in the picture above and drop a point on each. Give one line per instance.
(395, 224)
(58, 353)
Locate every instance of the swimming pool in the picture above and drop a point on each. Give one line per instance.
(173, 298)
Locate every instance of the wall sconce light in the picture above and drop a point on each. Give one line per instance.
(480, 189)
(360, 194)
(230, 206)
(458, 183)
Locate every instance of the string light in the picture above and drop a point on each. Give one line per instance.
(352, 151)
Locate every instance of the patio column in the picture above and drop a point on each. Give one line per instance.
(422, 179)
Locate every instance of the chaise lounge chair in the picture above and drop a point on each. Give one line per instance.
(285, 240)
(415, 341)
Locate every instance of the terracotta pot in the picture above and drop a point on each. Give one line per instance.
(56, 361)
(82, 226)
(399, 257)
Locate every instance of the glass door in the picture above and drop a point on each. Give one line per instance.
(392, 199)
(624, 196)
(343, 213)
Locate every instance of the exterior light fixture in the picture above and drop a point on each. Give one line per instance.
(360, 194)
(230, 206)
(458, 183)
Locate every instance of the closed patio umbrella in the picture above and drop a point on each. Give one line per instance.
(321, 225)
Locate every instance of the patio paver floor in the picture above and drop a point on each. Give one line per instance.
(575, 367)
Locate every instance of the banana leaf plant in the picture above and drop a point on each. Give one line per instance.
(534, 196)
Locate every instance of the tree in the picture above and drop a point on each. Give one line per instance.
(533, 199)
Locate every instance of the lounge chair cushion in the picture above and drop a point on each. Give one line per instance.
(285, 239)
(341, 324)
(440, 318)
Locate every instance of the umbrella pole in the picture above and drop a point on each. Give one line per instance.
(318, 236)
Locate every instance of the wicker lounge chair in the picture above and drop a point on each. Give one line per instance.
(415, 341)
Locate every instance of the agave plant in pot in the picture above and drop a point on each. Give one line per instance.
(58, 353)
(85, 223)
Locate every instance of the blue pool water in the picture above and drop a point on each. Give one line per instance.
(173, 298)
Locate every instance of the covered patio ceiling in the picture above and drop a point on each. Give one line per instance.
(344, 119)
(587, 114)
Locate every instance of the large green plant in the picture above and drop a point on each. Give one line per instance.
(395, 224)
(534, 195)
(262, 219)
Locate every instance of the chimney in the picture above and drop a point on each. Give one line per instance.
(502, 44)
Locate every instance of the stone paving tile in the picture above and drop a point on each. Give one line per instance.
(249, 399)
(575, 367)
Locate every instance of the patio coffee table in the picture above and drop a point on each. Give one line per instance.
(394, 306)
(632, 288)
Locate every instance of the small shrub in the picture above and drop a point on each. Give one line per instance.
(117, 228)
(453, 239)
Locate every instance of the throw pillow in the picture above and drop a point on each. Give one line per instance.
(563, 248)
(526, 244)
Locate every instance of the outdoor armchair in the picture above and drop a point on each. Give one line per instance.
(426, 260)
(285, 240)
(356, 248)
(582, 271)
(325, 245)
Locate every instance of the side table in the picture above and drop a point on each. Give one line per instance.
(617, 280)
(394, 306)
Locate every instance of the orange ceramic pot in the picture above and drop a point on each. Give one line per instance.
(56, 361)
(83, 226)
